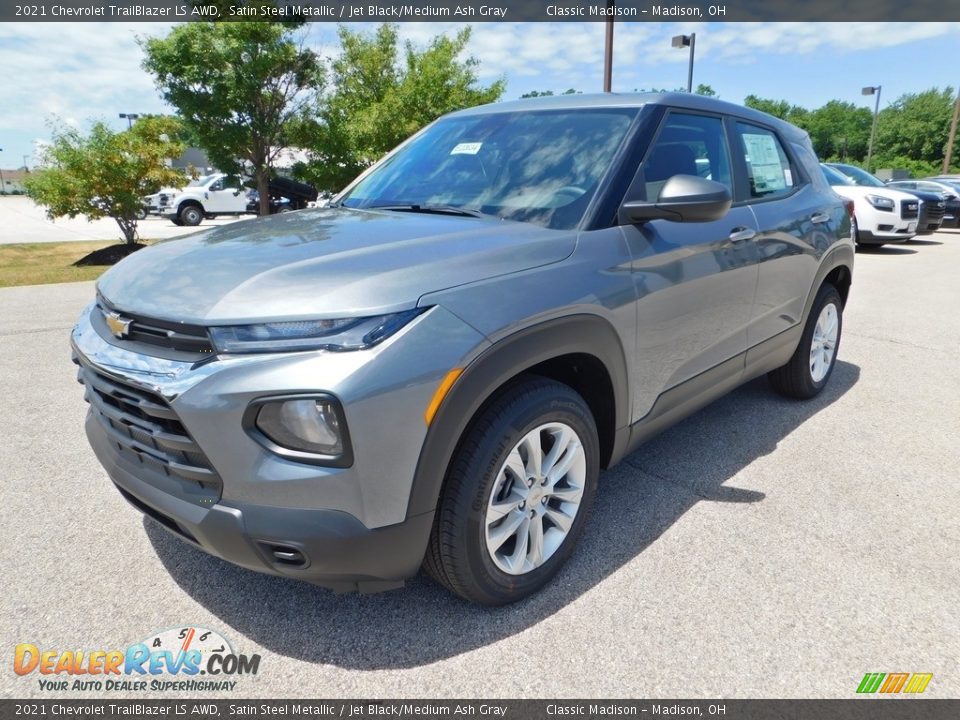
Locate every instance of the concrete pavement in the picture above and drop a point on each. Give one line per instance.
(23, 221)
(761, 548)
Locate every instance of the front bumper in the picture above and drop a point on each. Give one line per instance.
(325, 547)
(338, 527)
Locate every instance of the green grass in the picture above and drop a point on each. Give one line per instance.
(42, 263)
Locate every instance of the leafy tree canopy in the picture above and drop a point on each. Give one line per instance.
(105, 173)
(381, 94)
(242, 88)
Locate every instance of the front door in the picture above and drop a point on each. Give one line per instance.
(695, 281)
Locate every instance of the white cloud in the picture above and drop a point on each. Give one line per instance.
(83, 71)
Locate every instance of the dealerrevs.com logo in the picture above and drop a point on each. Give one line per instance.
(190, 659)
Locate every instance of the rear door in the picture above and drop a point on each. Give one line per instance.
(796, 219)
(695, 281)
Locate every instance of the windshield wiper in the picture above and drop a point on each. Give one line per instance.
(431, 209)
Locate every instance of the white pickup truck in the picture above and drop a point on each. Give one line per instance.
(206, 197)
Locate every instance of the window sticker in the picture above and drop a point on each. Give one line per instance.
(466, 148)
(769, 174)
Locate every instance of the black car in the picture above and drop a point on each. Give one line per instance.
(933, 211)
(950, 187)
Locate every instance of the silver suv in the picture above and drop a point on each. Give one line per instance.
(433, 370)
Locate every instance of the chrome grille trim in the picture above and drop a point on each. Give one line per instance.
(142, 425)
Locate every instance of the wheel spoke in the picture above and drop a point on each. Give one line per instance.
(567, 494)
(516, 468)
(531, 444)
(564, 464)
(535, 552)
(519, 555)
(561, 521)
(497, 536)
(500, 510)
(561, 442)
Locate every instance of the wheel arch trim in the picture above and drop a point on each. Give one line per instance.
(582, 334)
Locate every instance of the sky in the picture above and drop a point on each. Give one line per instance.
(78, 72)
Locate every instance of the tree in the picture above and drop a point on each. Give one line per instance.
(704, 89)
(778, 108)
(379, 99)
(548, 93)
(838, 129)
(242, 88)
(915, 126)
(105, 174)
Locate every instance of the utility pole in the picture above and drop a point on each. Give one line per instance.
(608, 49)
(873, 130)
(953, 135)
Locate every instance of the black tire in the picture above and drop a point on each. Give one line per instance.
(176, 221)
(855, 230)
(457, 555)
(190, 215)
(795, 379)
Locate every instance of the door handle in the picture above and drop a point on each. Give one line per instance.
(820, 218)
(741, 234)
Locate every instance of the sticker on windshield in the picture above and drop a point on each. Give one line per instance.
(466, 148)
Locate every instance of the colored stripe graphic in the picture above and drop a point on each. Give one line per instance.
(918, 682)
(894, 682)
(870, 682)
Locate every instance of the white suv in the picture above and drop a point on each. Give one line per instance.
(207, 197)
(881, 214)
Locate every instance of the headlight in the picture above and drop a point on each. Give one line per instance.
(304, 428)
(340, 334)
(881, 203)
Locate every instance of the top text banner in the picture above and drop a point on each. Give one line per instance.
(852, 11)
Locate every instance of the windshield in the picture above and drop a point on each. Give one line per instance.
(834, 177)
(200, 181)
(541, 167)
(858, 176)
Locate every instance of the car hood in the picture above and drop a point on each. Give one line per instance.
(322, 263)
(858, 192)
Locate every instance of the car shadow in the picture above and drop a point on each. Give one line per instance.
(915, 241)
(885, 250)
(637, 502)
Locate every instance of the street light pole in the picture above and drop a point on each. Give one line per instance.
(130, 117)
(25, 168)
(873, 130)
(608, 50)
(681, 41)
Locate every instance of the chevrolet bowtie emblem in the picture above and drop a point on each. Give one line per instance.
(118, 326)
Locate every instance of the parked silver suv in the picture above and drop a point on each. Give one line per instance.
(434, 369)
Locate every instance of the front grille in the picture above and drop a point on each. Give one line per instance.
(164, 334)
(909, 209)
(935, 212)
(144, 428)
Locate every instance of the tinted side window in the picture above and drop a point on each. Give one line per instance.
(768, 167)
(687, 145)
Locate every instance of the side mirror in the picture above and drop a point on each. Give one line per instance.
(683, 198)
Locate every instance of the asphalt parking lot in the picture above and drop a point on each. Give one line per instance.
(761, 548)
(23, 221)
